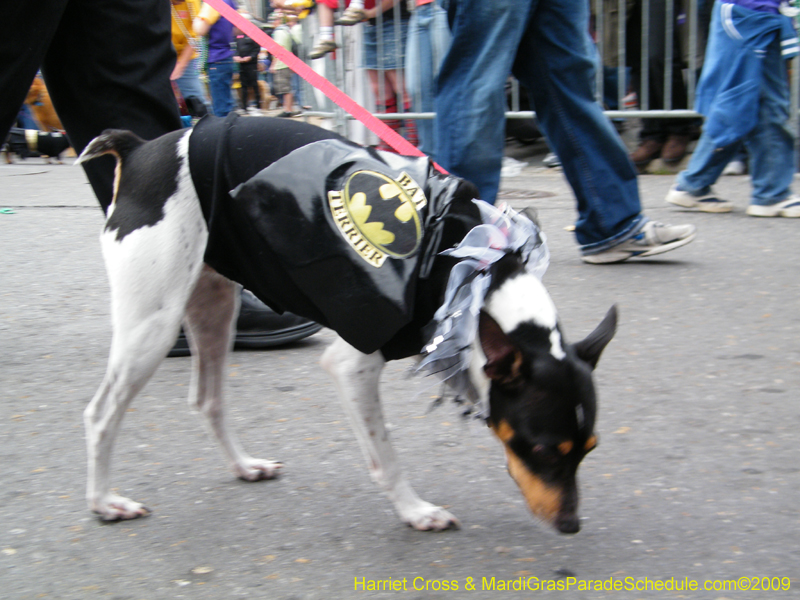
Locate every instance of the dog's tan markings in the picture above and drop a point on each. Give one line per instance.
(117, 177)
(590, 443)
(516, 366)
(504, 431)
(565, 447)
(544, 500)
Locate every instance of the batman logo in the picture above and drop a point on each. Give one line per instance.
(379, 216)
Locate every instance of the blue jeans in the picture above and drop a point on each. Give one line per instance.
(189, 83)
(545, 43)
(770, 145)
(428, 41)
(25, 118)
(297, 89)
(220, 78)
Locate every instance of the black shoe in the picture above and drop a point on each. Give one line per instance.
(259, 327)
(27, 143)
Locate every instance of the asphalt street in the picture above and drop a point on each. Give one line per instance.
(696, 476)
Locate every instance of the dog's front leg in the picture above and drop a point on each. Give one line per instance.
(356, 376)
(210, 320)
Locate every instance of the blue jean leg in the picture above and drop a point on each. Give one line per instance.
(470, 100)
(220, 77)
(555, 62)
(25, 118)
(189, 83)
(551, 43)
(297, 89)
(427, 44)
(705, 166)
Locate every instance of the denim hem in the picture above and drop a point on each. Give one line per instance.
(682, 186)
(630, 231)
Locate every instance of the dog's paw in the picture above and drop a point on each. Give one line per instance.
(118, 508)
(429, 517)
(255, 469)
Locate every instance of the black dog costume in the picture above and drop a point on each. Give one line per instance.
(385, 216)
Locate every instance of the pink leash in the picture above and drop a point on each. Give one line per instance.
(375, 125)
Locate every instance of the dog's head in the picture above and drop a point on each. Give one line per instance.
(541, 394)
(37, 91)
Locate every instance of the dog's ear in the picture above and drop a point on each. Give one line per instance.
(589, 349)
(503, 358)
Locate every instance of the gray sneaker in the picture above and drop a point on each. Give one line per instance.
(654, 238)
(352, 16)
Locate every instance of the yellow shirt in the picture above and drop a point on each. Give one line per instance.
(182, 15)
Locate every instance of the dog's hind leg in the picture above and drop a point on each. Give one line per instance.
(357, 376)
(147, 308)
(153, 244)
(210, 318)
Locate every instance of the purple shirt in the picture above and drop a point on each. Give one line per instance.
(220, 37)
(770, 6)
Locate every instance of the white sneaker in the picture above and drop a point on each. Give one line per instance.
(788, 208)
(551, 161)
(706, 203)
(735, 167)
(654, 238)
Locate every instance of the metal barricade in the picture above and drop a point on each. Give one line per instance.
(680, 26)
(345, 69)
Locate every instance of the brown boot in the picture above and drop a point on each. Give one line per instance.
(647, 150)
(675, 148)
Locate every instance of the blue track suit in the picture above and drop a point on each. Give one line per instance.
(744, 95)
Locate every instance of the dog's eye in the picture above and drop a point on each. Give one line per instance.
(544, 454)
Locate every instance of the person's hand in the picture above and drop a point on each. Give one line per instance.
(177, 72)
(180, 65)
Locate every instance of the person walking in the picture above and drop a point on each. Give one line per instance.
(744, 95)
(546, 45)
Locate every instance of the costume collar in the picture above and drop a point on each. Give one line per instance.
(449, 352)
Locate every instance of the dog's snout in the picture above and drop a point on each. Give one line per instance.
(556, 502)
(568, 523)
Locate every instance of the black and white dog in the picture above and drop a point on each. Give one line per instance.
(351, 238)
